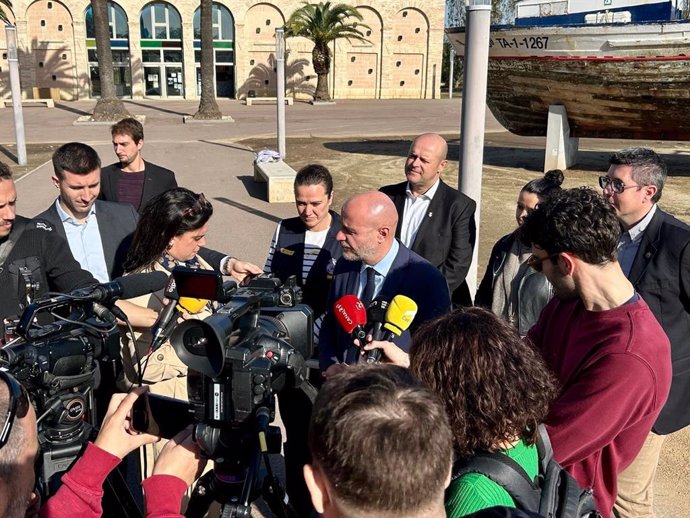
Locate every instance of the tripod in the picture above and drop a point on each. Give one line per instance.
(236, 479)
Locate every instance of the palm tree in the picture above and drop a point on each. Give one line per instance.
(322, 24)
(3, 16)
(108, 107)
(208, 107)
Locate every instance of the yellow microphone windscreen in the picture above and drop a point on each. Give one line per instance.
(400, 314)
(190, 305)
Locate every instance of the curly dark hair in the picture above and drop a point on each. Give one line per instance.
(495, 386)
(171, 213)
(579, 221)
(648, 168)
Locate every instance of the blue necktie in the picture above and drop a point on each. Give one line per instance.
(369, 287)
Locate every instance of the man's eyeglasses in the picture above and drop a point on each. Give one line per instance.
(18, 406)
(616, 184)
(537, 263)
(198, 207)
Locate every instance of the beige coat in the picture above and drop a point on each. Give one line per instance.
(163, 371)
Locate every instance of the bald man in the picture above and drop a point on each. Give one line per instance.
(435, 220)
(372, 254)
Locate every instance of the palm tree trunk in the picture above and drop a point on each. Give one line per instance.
(321, 59)
(108, 107)
(208, 107)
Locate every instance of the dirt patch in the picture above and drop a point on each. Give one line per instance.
(37, 154)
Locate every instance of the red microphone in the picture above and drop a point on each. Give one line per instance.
(351, 315)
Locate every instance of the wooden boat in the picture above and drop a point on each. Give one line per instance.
(616, 80)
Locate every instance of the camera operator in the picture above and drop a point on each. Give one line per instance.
(82, 491)
(33, 258)
(381, 446)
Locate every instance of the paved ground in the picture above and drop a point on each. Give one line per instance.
(364, 144)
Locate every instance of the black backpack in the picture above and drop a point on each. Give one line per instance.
(554, 494)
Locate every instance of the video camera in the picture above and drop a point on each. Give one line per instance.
(60, 341)
(239, 358)
(242, 355)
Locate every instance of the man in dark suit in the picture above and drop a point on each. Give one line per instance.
(435, 220)
(98, 232)
(654, 253)
(132, 180)
(372, 254)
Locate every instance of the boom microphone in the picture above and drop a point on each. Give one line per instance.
(350, 313)
(126, 287)
(399, 315)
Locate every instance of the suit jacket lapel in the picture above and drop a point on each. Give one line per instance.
(399, 201)
(107, 242)
(57, 222)
(648, 247)
(148, 185)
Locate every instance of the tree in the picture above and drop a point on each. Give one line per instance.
(208, 107)
(322, 23)
(3, 16)
(108, 107)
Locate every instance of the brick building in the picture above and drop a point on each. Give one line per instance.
(156, 50)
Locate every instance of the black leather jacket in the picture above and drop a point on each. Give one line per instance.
(534, 290)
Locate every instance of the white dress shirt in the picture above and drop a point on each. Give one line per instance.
(416, 208)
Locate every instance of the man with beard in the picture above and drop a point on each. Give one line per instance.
(654, 252)
(375, 264)
(132, 180)
(599, 337)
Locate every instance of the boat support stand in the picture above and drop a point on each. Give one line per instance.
(561, 148)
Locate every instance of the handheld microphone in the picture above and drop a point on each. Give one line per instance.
(351, 315)
(399, 315)
(127, 287)
(376, 316)
(191, 305)
(161, 329)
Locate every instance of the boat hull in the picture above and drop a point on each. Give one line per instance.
(626, 81)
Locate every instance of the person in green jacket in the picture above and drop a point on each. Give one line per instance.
(496, 389)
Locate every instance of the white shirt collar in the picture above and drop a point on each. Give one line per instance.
(637, 231)
(428, 194)
(67, 217)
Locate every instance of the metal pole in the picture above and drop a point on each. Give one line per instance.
(451, 72)
(280, 71)
(474, 112)
(15, 87)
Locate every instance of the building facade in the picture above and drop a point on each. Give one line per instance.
(156, 50)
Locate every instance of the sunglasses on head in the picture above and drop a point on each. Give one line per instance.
(18, 406)
(198, 207)
(616, 184)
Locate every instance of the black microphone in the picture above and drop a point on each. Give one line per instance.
(162, 328)
(126, 287)
(376, 315)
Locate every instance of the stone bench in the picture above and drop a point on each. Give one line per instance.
(251, 100)
(32, 102)
(279, 177)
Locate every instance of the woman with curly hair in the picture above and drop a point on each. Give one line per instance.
(510, 287)
(496, 390)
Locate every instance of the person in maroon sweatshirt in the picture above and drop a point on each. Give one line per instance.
(610, 354)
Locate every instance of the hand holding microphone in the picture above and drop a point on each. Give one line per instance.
(399, 315)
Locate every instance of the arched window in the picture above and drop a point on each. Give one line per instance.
(119, 44)
(161, 50)
(224, 51)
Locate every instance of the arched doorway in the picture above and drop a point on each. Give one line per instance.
(161, 50)
(224, 50)
(119, 44)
